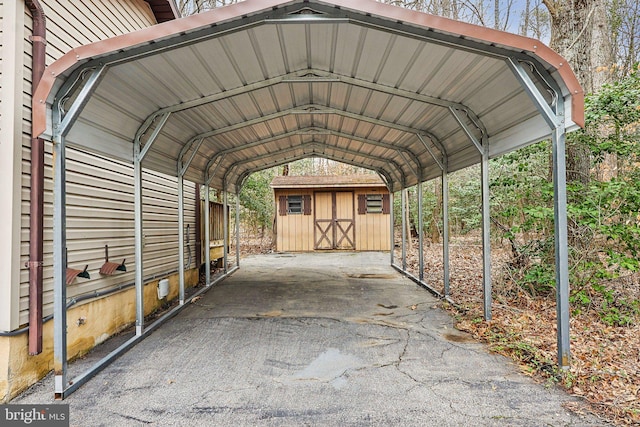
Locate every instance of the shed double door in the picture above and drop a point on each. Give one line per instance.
(334, 220)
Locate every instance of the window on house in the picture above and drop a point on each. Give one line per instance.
(294, 205)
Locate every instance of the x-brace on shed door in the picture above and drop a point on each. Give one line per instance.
(334, 222)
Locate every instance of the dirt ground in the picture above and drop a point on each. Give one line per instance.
(605, 367)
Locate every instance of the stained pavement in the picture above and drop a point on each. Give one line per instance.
(331, 339)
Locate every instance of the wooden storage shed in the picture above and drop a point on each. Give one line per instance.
(216, 230)
(331, 213)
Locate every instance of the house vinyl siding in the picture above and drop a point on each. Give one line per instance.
(100, 209)
(5, 267)
(11, 130)
(2, 49)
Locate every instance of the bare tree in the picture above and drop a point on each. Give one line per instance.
(472, 11)
(625, 22)
(524, 27)
(191, 7)
(534, 20)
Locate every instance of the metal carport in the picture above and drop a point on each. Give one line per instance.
(214, 97)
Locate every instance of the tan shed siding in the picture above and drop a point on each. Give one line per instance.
(298, 233)
(100, 191)
(372, 230)
(295, 232)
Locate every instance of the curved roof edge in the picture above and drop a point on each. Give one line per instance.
(76, 57)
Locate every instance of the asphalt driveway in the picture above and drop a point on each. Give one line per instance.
(332, 339)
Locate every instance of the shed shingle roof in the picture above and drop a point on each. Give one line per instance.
(307, 181)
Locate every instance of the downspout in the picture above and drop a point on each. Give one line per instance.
(36, 209)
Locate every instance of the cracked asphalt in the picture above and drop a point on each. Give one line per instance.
(329, 339)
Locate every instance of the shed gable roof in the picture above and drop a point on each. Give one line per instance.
(326, 181)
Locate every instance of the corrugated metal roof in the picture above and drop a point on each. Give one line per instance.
(325, 181)
(266, 82)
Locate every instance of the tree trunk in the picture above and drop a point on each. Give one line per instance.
(580, 32)
(602, 72)
(434, 231)
(578, 162)
(407, 219)
(525, 22)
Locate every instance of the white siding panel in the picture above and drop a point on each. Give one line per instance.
(11, 22)
(100, 191)
(2, 52)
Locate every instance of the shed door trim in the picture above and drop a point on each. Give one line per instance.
(331, 233)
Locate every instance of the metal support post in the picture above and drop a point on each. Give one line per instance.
(483, 147)
(391, 228)
(237, 229)
(60, 267)
(207, 236)
(561, 246)
(139, 152)
(486, 237)
(181, 237)
(553, 114)
(63, 119)
(225, 225)
(404, 228)
(445, 231)
(420, 233)
(138, 238)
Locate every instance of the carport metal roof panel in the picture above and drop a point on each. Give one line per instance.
(261, 83)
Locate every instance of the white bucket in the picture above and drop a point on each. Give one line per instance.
(163, 288)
